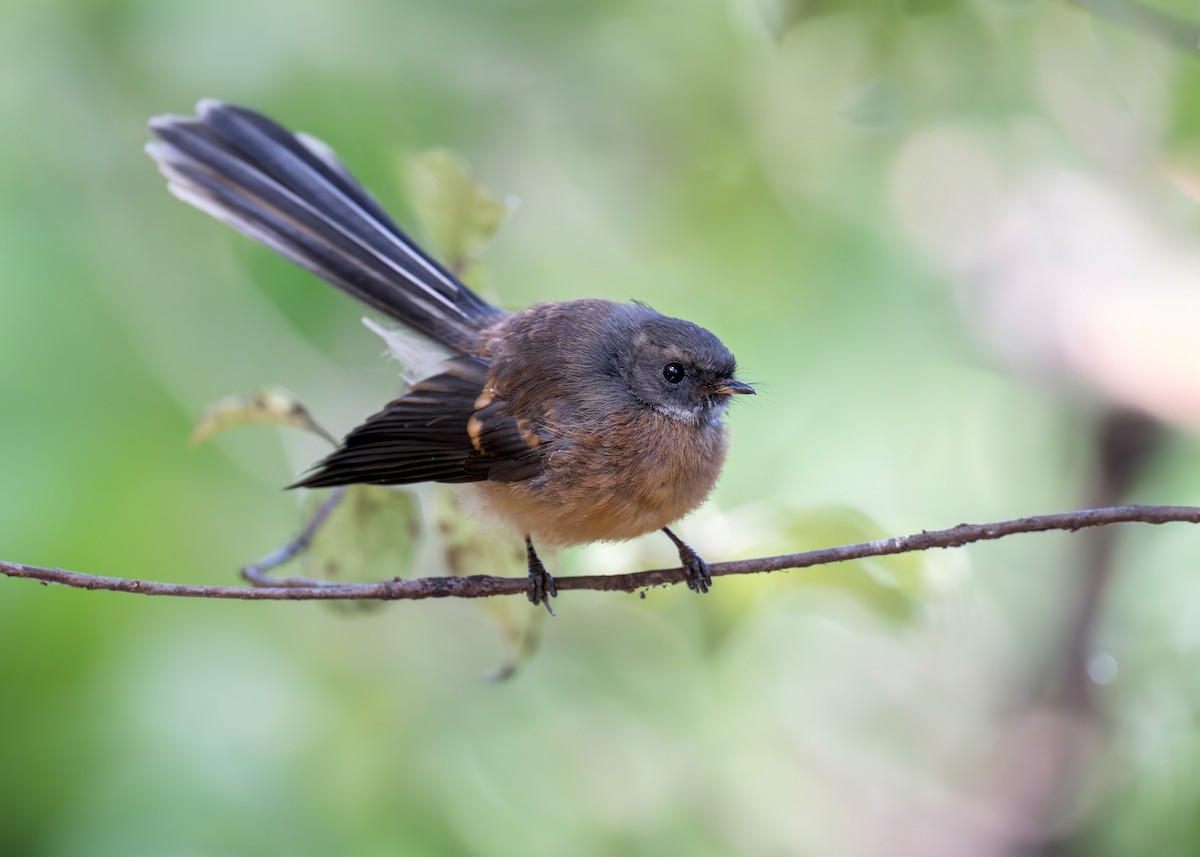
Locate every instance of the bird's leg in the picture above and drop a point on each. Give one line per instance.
(541, 584)
(699, 578)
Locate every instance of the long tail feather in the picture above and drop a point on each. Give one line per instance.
(291, 193)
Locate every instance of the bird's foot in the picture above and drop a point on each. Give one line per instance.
(699, 578)
(541, 584)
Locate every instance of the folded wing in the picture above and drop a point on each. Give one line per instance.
(444, 429)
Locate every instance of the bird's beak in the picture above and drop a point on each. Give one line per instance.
(732, 387)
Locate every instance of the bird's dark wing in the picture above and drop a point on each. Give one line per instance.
(444, 429)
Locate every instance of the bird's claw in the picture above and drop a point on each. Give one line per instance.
(541, 588)
(699, 578)
(541, 584)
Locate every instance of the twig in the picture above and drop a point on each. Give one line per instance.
(484, 586)
(256, 572)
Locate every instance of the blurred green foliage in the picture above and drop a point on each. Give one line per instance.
(759, 166)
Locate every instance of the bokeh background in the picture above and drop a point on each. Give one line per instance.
(946, 239)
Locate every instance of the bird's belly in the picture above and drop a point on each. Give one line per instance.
(605, 491)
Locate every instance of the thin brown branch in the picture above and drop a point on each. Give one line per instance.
(485, 586)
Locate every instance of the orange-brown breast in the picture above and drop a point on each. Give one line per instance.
(637, 473)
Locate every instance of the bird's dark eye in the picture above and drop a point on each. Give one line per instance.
(673, 372)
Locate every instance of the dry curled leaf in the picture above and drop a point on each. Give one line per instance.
(274, 406)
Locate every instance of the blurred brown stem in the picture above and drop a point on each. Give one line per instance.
(484, 586)
(1157, 24)
(1125, 442)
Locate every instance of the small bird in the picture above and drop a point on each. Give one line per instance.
(576, 421)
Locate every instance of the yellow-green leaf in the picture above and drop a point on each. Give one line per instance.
(890, 585)
(371, 535)
(469, 548)
(459, 216)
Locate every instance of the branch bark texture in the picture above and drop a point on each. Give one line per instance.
(486, 586)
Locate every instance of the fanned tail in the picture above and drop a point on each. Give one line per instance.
(291, 193)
